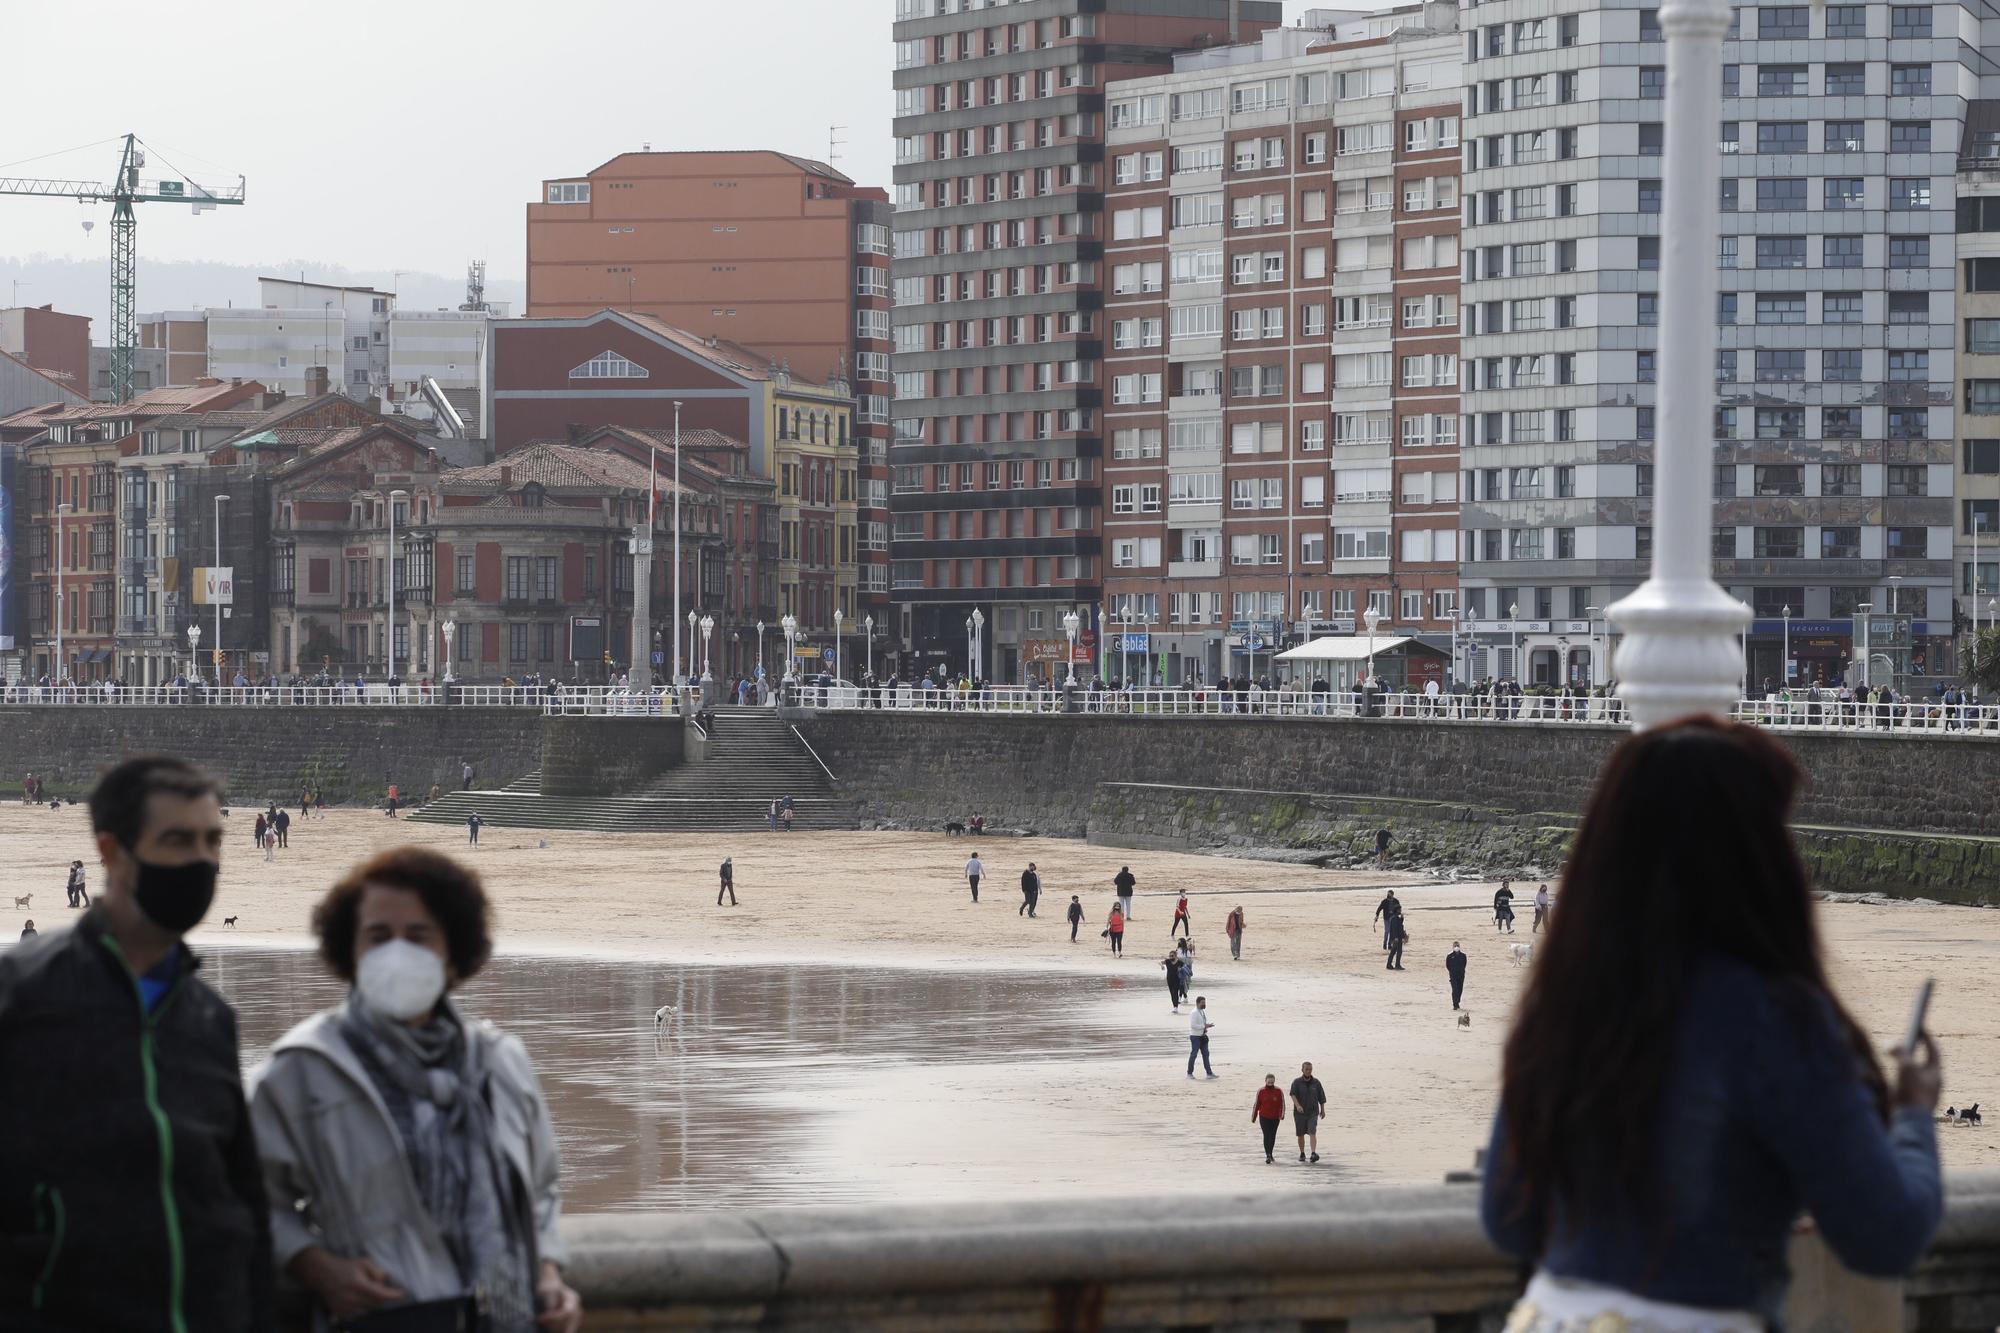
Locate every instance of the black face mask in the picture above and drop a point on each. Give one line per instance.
(175, 898)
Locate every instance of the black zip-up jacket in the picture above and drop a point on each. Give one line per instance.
(131, 1196)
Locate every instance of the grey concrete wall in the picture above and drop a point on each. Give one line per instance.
(1330, 1261)
(596, 756)
(267, 753)
(1042, 772)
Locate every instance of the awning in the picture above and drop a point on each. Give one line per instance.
(1346, 648)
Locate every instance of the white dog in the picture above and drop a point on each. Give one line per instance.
(1524, 954)
(663, 1013)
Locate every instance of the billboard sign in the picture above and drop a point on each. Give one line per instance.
(586, 638)
(215, 585)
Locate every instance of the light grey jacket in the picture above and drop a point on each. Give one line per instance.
(335, 1169)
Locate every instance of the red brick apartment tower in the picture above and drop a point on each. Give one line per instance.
(1257, 364)
(780, 254)
(999, 284)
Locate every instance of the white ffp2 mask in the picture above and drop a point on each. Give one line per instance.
(400, 980)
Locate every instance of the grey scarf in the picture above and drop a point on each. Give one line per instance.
(434, 1085)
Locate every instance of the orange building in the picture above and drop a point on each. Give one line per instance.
(758, 248)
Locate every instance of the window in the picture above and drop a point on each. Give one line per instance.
(1982, 397)
(1840, 543)
(1780, 194)
(1909, 252)
(1781, 364)
(1360, 544)
(1778, 543)
(1190, 210)
(1781, 252)
(609, 365)
(1846, 80)
(1982, 336)
(1840, 423)
(1772, 81)
(1649, 195)
(1781, 480)
(1905, 543)
(1652, 81)
(1910, 21)
(1909, 80)
(1982, 459)
(1909, 136)
(1843, 193)
(1840, 480)
(1841, 308)
(1908, 479)
(569, 192)
(1840, 252)
(1909, 193)
(1782, 23)
(1787, 308)
(1840, 364)
(1982, 275)
(1843, 136)
(1909, 307)
(1846, 21)
(1781, 136)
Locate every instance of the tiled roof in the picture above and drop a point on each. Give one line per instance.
(690, 439)
(555, 467)
(728, 355)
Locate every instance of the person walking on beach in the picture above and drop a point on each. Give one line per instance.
(1175, 984)
(1124, 883)
(1503, 908)
(1198, 1029)
(28, 930)
(1031, 890)
(472, 828)
(394, 798)
(1382, 848)
(283, 823)
(77, 896)
(1541, 908)
(774, 814)
(1308, 1105)
(1386, 912)
(1180, 921)
(465, 776)
(257, 833)
(1114, 929)
(319, 802)
(1454, 967)
(1268, 1113)
(728, 885)
(785, 815)
(305, 803)
(270, 843)
(1398, 937)
(1075, 916)
(974, 869)
(1233, 928)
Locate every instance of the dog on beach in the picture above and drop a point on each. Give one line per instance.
(22, 901)
(955, 829)
(230, 922)
(1524, 954)
(663, 1013)
(1969, 1116)
(1465, 1019)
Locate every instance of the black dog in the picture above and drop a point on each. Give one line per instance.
(229, 921)
(1969, 1116)
(955, 828)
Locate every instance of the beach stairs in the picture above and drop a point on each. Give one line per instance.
(752, 758)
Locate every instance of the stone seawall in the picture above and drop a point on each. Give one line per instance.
(1043, 772)
(594, 756)
(1440, 836)
(270, 753)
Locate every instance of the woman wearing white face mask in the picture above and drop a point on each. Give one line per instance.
(407, 1151)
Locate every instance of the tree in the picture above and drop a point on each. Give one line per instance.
(1982, 661)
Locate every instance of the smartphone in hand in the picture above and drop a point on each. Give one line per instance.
(1917, 1014)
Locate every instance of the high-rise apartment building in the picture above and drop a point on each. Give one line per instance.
(1282, 303)
(1833, 437)
(780, 254)
(1000, 122)
(1976, 488)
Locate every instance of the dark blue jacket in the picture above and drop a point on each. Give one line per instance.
(1765, 1117)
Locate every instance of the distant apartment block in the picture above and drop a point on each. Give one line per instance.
(1976, 488)
(996, 487)
(1282, 368)
(54, 343)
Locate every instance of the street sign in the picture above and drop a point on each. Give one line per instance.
(1135, 643)
(826, 655)
(659, 658)
(1254, 644)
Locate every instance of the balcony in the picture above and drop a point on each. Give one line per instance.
(1194, 569)
(137, 625)
(134, 515)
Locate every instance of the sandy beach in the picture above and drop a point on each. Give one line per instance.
(1410, 1090)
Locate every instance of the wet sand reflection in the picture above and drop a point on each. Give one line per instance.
(777, 1084)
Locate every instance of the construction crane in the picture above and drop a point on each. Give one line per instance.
(126, 190)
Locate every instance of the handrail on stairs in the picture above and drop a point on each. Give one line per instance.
(814, 753)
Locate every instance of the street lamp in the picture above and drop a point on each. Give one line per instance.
(707, 661)
(391, 626)
(194, 647)
(868, 627)
(1562, 660)
(760, 651)
(1786, 612)
(1861, 614)
(1372, 617)
(220, 501)
(978, 642)
(1070, 623)
(969, 650)
(694, 618)
(1514, 620)
(1894, 581)
(677, 550)
(790, 624)
(1590, 612)
(450, 631)
(1978, 522)
(837, 618)
(1680, 653)
(61, 543)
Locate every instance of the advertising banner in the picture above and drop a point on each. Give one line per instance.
(215, 585)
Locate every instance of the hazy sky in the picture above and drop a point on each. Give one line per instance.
(412, 135)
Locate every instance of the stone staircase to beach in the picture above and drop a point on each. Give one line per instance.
(752, 759)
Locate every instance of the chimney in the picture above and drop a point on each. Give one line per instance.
(316, 381)
(1235, 21)
(506, 477)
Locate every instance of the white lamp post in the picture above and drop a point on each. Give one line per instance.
(969, 649)
(450, 631)
(760, 650)
(1070, 623)
(790, 624)
(694, 618)
(61, 547)
(1595, 674)
(1861, 615)
(978, 642)
(1562, 661)
(220, 501)
(1373, 617)
(194, 647)
(1978, 522)
(1514, 620)
(390, 626)
(1786, 612)
(677, 551)
(1680, 654)
(837, 618)
(707, 660)
(868, 628)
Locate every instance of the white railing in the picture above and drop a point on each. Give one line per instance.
(571, 699)
(1928, 716)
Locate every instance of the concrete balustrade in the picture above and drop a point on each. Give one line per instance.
(1333, 1261)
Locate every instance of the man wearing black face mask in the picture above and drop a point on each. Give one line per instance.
(146, 1212)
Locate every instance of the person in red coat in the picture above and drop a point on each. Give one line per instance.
(1269, 1113)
